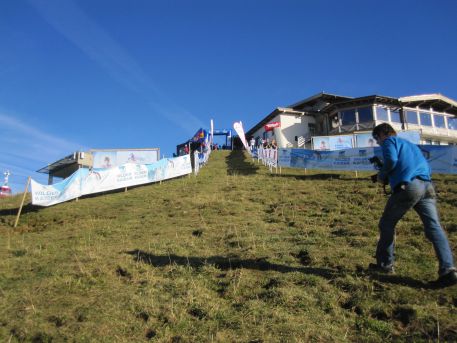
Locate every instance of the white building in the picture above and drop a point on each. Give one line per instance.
(433, 115)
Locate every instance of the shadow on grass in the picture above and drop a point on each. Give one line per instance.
(311, 176)
(238, 164)
(401, 280)
(25, 209)
(227, 263)
(332, 176)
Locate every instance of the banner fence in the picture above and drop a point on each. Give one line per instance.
(442, 159)
(89, 181)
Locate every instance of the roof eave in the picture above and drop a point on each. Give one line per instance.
(429, 98)
(317, 96)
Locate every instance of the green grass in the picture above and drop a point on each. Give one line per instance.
(235, 254)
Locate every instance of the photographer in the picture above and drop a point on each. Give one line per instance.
(409, 176)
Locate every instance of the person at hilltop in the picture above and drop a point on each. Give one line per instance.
(252, 143)
(409, 176)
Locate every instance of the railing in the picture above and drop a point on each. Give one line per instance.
(269, 157)
(200, 159)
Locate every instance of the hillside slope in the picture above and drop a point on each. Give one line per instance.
(233, 255)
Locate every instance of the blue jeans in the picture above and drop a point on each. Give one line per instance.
(419, 195)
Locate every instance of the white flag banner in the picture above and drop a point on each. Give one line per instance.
(212, 133)
(85, 181)
(238, 126)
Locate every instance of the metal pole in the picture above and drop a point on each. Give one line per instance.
(22, 202)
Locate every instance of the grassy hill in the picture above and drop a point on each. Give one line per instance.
(233, 255)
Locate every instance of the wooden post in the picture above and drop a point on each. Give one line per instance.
(22, 202)
(125, 190)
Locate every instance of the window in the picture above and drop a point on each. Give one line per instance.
(395, 116)
(312, 129)
(452, 123)
(439, 121)
(365, 114)
(347, 117)
(411, 117)
(381, 114)
(426, 118)
(334, 122)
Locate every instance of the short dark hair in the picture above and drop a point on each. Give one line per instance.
(385, 129)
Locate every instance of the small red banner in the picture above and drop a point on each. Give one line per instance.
(272, 125)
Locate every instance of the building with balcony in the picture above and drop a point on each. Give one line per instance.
(433, 115)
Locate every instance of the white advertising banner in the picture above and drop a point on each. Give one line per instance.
(238, 126)
(441, 158)
(85, 181)
(114, 158)
(211, 133)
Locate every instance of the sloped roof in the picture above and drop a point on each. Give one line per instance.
(436, 101)
(58, 165)
(318, 101)
(365, 100)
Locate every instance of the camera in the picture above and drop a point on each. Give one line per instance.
(376, 161)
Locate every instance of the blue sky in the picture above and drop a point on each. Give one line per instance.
(134, 74)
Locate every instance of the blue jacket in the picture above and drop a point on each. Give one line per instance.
(403, 161)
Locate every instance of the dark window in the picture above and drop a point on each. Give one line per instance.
(395, 116)
(426, 119)
(365, 114)
(334, 121)
(439, 121)
(347, 117)
(312, 128)
(381, 114)
(452, 123)
(411, 117)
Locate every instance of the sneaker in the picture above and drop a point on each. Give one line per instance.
(446, 280)
(380, 268)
